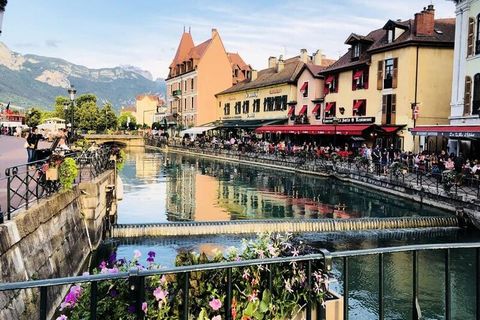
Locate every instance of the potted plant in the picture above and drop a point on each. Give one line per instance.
(51, 167)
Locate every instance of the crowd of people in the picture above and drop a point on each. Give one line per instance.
(33, 137)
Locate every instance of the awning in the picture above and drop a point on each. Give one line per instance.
(196, 130)
(392, 128)
(329, 79)
(303, 110)
(326, 91)
(447, 131)
(304, 87)
(248, 124)
(357, 105)
(328, 107)
(351, 130)
(317, 108)
(291, 112)
(358, 75)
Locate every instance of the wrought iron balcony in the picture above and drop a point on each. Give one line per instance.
(176, 93)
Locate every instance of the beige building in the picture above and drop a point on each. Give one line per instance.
(196, 74)
(146, 106)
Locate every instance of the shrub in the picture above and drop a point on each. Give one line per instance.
(68, 172)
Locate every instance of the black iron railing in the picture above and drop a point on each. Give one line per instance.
(27, 183)
(325, 259)
(461, 188)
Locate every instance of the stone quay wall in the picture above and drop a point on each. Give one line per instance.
(51, 239)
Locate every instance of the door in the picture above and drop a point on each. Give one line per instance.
(389, 106)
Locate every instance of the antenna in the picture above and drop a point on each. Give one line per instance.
(183, 29)
(190, 29)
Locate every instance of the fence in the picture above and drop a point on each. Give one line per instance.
(324, 260)
(458, 189)
(27, 183)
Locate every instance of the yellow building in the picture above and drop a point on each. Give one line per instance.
(269, 96)
(196, 74)
(397, 77)
(146, 106)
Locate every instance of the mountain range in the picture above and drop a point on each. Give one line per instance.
(30, 80)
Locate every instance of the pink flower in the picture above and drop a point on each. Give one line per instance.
(163, 280)
(137, 254)
(246, 274)
(215, 304)
(144, 307)
(160, 294)
(295, 252)
(62, 317)
(217, 318)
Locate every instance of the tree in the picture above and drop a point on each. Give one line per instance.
(123, 120)
(33, 117)
(60, 103)
(108, 118)
(87, 116)
(3, 4)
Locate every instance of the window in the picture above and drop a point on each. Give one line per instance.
(477, 47)
(387, 74)
(467, 98)
(238, 107)
(330, 109)
(185, 104)
(256, 105)
(471, 36)
(389, 106)
(304, 89)
(191, 84)
(390, 35)
(246, 106)
(192, 103)
(476, 94)
(226, 109)
(185, 85)
(359, 108)
(356, 50)
(284, 102)
(387, 82)
(360, 79)
(331, 84)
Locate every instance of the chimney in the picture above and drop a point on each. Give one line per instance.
(214, 32)
(317, 58)
(280, 64)
(253, 75)
(272, 62)
(304, 55)
(425, 22)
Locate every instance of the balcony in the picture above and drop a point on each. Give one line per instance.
(177, 93)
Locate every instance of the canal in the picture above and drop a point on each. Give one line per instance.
(172, 187)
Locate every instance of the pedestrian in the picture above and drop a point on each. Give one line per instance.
(31, 144)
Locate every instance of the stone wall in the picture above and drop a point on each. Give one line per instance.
(50, 240)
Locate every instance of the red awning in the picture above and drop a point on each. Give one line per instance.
(358, 75)
(328, 107)
(291, 112)
(317, 108)
(391, 129)
(327, 129)
(357, 105)
(448, 131)
(304, 87)
(329, 79)
(303, 110)
(326, 91)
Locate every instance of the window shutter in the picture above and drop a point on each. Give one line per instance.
(384, 109)
(354, 82)
(365, 78)
(395, 73)
(380, 75)
(467, 103)
(470, 37)
(353, 106)
(337, 77)
(394, 109)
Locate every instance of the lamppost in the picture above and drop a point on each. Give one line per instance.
(72, 91)
(335, 123)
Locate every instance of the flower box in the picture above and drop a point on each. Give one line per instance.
(51, 174)
(333, 308)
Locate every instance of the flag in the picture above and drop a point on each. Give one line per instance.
(8, 106)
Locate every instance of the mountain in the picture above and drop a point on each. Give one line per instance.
(31, 80)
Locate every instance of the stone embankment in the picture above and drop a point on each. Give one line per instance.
(51, 239)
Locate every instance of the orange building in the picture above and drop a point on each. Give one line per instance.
(196, 74)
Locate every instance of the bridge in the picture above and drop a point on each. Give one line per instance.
(124, 140)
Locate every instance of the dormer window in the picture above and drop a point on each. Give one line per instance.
(356, 50)
(390, 35)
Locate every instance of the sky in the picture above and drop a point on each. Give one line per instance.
(145, 33)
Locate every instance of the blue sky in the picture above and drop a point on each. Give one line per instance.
(145, 33)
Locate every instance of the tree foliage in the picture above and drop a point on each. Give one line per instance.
(3, 4)
(33, 117)
(127, 119)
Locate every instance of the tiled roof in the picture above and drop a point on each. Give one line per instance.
(270, 76)
(151, 97)
(444, 35)
(185, 46)
(129, 109)
(198, 51)
(235, 59)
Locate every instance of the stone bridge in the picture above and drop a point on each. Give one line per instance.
(124, 140)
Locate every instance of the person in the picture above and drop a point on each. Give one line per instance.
(449, 164)
(32, 144)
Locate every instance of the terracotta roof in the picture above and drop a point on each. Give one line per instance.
(444, 35)
(235, 59)
(151, 97)
(270, 76)
(129, 109)
(185, 46)
(197, 52)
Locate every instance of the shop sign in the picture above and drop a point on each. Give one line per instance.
(231, 117)
(353, 120)
(251, 95)
(275, 91)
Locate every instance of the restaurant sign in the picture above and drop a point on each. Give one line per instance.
(448, 134)
(354, 120)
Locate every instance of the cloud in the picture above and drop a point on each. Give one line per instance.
(52, 43)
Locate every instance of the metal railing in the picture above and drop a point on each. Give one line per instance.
(462, 189)
(325, 261)
(27, 183)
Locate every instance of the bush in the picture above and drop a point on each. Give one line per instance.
(68, 172)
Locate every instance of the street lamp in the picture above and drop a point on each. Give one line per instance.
(335, 123)
(72, 91)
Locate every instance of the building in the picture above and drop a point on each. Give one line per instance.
(196, 74)
(392, 80)
(13, 114)
(463, 133)
(269, 96)
(146, 106)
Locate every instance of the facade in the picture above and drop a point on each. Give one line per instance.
(196, 74)
(270, 95)
(397, 77)
(146, 106)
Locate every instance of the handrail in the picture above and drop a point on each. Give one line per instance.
(324, 254)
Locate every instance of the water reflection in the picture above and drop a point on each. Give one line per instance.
(172, 187)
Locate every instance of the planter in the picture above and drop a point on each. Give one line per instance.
(333, 309)
(51, 174)
(113, 157)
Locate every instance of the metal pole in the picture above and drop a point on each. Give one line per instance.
(415, 304)
(93, 300)
(477, 253)
(43, 303)
(345, 288)
(228, 297)
(447, 285)
(309, 286)
(381, 311)
(185, 296)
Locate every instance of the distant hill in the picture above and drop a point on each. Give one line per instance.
(30, 80)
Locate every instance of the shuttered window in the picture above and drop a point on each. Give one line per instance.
(395, 73)
(467, 103)
(476, 94)
(380, 75)
(470, 38)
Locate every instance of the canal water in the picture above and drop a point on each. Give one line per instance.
(162, 188)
